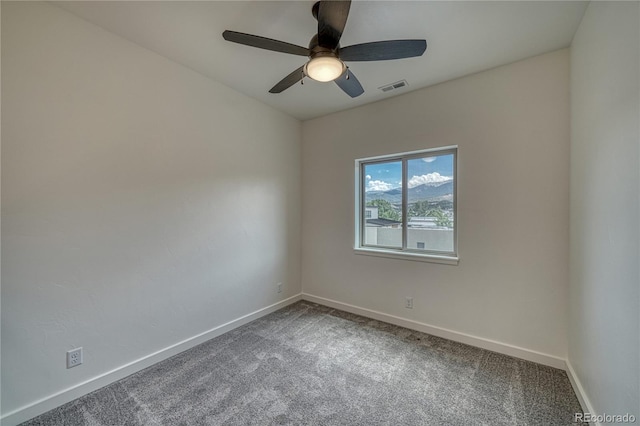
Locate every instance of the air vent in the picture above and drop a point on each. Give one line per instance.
(393, 86)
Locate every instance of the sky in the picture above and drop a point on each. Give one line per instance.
(386, 176)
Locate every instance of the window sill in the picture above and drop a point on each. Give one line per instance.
(431, 258)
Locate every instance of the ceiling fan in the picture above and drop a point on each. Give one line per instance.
(325, 54)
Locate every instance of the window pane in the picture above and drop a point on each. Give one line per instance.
(383, 204)
(430, 203)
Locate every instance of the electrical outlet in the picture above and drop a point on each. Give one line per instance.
(74, 357)
(408, 303)
(279, 287)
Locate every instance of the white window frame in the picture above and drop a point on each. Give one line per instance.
(406, 253)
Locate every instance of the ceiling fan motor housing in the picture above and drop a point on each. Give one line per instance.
(315, 48)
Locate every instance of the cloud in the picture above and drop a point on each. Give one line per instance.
(429, 178)
(368, 177)
(378, 185)
(429, 159)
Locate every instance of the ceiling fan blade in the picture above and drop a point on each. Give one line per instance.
(349, 84)
(383, 50)
(288, 81)
(332, 17)
(265, 43)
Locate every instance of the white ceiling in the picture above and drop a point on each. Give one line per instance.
(462, 38)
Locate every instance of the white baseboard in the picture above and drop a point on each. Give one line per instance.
(580, 393)
(59, 398)
(480, 342)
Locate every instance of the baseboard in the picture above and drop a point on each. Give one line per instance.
(480, 342)
(50, 402)
(579, 390)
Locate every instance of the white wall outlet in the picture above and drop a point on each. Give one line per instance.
(74, 357)
(279, 287)
(408, 303)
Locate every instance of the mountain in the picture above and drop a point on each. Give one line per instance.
(430, 190)
(423, 192)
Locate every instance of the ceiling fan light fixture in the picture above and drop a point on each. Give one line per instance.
(324, 68)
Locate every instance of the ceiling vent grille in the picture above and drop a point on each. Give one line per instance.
(393, 86)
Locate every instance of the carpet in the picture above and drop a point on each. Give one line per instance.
(308, 364)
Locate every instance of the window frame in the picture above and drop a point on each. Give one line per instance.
(403, 252)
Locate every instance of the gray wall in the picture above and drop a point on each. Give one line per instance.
(138, 207)
(605, 109)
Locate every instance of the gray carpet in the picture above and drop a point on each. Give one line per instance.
(312, 365)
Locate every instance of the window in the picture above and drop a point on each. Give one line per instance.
(406, 205)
